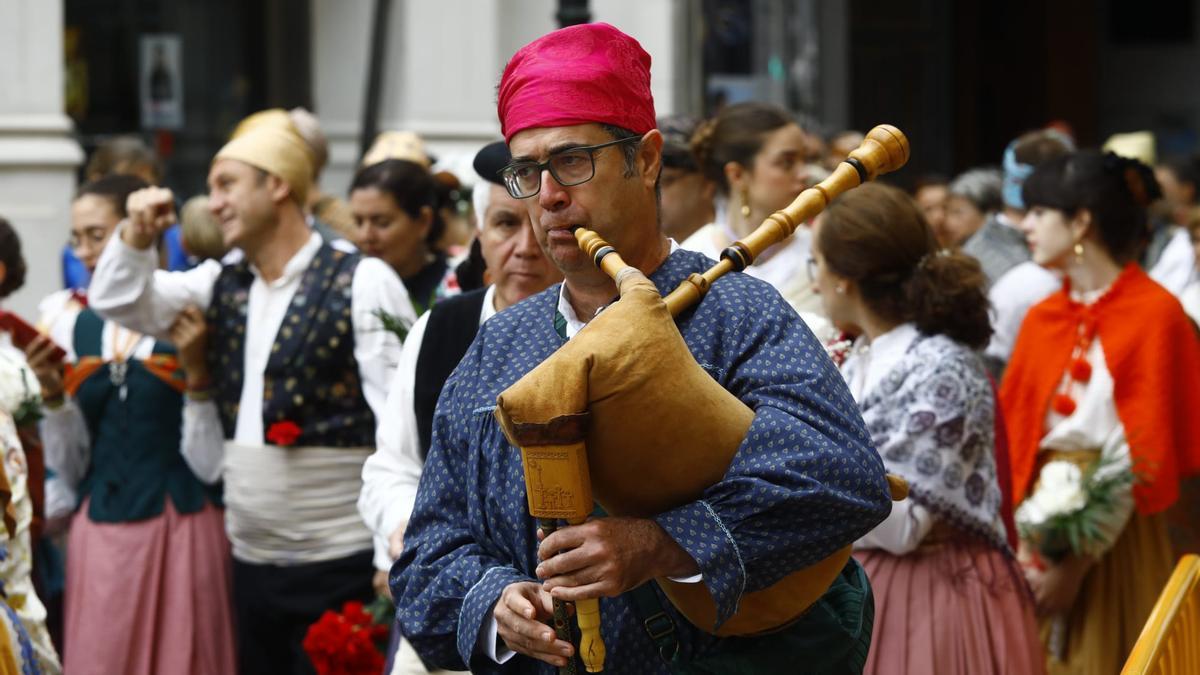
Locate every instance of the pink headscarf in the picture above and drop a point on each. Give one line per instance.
(587, 73)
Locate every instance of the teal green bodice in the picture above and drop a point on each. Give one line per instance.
(135, 460)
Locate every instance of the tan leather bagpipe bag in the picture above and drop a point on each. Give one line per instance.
(660, 431)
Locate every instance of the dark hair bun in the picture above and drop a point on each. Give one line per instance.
(945, 296)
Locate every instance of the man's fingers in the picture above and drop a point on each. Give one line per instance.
(567, 538)
(151, 210)
(529, 636)
(565, 563)
(599, 589)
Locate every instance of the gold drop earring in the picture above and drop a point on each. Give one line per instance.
(1079, 252)
(745, 205)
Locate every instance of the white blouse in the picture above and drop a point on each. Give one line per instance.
(869, 362)
(1094, 424)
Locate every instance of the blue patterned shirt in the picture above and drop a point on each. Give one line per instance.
(805, 482)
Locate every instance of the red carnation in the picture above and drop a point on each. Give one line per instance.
(283, 433)
(346, 643)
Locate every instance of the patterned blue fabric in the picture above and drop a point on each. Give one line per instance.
(804, 483)
(311, 377)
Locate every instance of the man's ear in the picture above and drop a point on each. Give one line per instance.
(650, 156)
(3, 272)
(279, 189)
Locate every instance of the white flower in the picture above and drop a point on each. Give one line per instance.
(1060, 490)
(17, 384)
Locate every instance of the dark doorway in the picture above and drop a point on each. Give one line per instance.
(237, 56)
(962, 79)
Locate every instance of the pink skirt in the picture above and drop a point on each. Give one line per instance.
(951, 608)
(148, 597)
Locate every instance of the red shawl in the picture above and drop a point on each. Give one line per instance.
(1153, 353)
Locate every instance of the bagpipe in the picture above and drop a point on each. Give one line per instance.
(624, 416)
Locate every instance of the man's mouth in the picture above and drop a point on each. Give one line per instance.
(562, 234)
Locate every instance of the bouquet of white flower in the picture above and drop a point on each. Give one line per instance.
(1065, 512)
(20, 394)
(1064, 515)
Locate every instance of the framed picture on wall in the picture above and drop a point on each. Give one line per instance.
(160, 68)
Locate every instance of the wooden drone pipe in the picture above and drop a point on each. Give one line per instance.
(884, 150)
(558, 487)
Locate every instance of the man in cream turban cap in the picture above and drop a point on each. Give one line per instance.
(329, 215)
(298, 365)
(277, 149)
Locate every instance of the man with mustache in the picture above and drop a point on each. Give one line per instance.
(474, 586)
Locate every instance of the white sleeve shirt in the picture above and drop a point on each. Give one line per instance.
(128, 288)
(1011, 297)
(391, 474)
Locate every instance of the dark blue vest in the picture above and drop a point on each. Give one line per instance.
(135, 460)
(312, 376)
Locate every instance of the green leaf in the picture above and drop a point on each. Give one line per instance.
(393, 324)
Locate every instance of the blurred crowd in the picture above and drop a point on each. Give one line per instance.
(220, 430)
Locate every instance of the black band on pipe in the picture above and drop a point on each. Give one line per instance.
(863, 176)
(736, 255)
(604, 250)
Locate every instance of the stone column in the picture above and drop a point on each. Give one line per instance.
(38, 156)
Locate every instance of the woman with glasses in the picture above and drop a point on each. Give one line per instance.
(949, 595)
(394, 203)
(756, 154)
(1100, 398)
(148, 580)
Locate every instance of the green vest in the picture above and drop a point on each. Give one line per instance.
(135, 461)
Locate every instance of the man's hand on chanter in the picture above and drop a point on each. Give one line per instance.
(521, 613)
(606, 557)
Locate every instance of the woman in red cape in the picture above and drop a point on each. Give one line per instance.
(1105, 376)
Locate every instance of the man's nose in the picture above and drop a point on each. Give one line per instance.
(553, 196)
(526, 244)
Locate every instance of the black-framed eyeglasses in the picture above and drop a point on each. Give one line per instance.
(572, 166)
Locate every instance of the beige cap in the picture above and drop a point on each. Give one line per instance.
(397, 145)
(310, 130)
(271, 117)
(276, 149)
(1137, 145)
